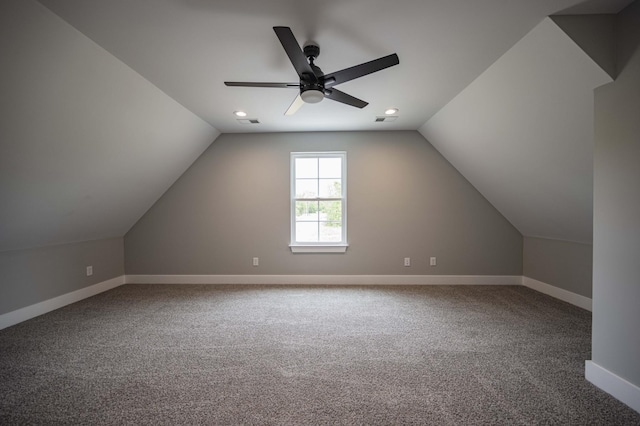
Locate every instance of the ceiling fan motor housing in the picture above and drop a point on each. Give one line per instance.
(311, 50)
(312, 93)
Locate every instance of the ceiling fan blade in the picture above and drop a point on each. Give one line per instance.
(337, 95)
(257, 84)
(295, 54)
(360, 70)
(295, 105)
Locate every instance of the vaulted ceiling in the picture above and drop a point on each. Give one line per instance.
(187, 48)
(105, 104)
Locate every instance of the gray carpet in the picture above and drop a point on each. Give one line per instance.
(190, 354)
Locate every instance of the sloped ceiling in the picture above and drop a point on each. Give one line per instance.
(595, 34)
(522, 132)
(105, 103)
(87, 145)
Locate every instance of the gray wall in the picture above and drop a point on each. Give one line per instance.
(31, 276)
(404, 200)
(563, 264)
(616, 242)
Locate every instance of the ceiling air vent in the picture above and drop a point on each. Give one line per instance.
(248, 121)
(386, 118)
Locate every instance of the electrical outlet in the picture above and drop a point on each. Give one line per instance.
(256, 261)
(407, 261)
(432, 261)
(89, 271)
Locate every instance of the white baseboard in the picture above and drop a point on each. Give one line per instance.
(612, 384)
(328, 279)
(32, 311)
(28, 312)
(564, 295)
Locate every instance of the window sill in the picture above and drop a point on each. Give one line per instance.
(319, 248)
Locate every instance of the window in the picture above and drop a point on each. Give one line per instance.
(318, 202)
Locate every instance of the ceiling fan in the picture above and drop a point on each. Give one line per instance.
(314, 85)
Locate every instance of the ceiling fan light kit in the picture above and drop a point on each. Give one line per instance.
(314, 85)
(312, 96)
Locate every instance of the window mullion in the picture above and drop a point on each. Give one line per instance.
(318, 199)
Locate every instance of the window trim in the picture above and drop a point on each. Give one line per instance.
(318, 247)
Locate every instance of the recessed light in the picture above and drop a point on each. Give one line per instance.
(240, 113)
(391, 111)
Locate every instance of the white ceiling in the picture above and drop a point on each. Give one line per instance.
(187, 48)
(531, 152)
(105, 103)
(86, 144)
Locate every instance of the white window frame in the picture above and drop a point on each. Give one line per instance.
(318, 247)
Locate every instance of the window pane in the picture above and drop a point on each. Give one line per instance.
(330, 168)
(306, 188)
(306, 232)
(330, 232)
(318, 176)
(306, 211)
(306, 167)
(331, 211)
(330, 188)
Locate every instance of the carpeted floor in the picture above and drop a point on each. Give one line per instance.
(197, 354)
